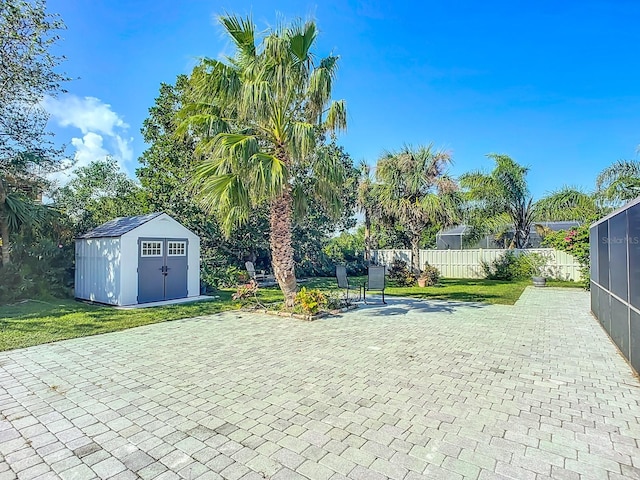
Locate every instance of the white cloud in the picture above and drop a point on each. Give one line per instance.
(88, 114)
(104, 132)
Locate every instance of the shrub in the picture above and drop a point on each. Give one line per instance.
(335, 301)
(430, 275)
(41, 267)
(311, 301)
(576, 243)
(511, 266)
(401, 274)
(220, 276)
(246, 291)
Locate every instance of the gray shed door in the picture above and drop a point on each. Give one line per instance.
(162, 269)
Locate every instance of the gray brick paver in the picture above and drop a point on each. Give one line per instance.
(439, 390)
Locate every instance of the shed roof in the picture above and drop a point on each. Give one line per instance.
(119, 226)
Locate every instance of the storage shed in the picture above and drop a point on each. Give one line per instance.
(141, 259)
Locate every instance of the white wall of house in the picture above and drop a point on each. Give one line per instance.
(467, 263)
(98, 270)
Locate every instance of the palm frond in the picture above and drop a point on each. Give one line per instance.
(22, 210)
(301, 137)
(566, 204)
(337, 116)
(270, 175)
(242, 31)
(301, 39)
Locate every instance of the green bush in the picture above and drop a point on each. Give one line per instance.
(430, 274)
(311, 301)
(576, 243)
(401, 275)
(246, 292)
(513, 266)
(40, 268)
(346, 249)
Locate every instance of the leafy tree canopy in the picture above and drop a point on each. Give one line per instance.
(619, 183)
(27, 74)
(98, 193)
(414, 190)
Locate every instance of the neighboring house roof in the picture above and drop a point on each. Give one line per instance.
(119, 226)
(555, 226)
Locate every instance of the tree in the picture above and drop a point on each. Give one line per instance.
(98, 193)
(368, 205)
(258, 118)
(415, 191)
(568, 204)
(319, 224)
(166, 167)
(619, 183)
(27, 75)
(500, 200)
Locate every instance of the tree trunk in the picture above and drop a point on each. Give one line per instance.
(367, 239)
(4, 227)
(415, 253)
(6, 246)
(280, 219)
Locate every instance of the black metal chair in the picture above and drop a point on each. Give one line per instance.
(375, 281)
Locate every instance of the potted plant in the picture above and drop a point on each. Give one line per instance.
(537, 263)
(429, 276)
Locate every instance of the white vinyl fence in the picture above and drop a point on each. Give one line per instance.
(467, 263)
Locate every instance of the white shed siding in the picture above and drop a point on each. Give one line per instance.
(161, 227)
(98, 270)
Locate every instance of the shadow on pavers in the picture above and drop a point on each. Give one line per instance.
(402, 306)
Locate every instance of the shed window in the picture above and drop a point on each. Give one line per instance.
(151, 249)
(177, 249)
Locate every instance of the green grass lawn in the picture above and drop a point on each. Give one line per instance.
(43, 321)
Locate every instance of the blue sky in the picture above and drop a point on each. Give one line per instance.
(555, 85)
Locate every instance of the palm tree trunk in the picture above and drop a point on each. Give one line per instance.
(415, 253)
(280, 219)
(367, 238)
(6, 246)
(4, 227)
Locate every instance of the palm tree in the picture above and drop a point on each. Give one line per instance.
(500, 200)
(415, 191)
(619, 183)
(568, 203)
(258, 117)
(368, 203)
(17, 208)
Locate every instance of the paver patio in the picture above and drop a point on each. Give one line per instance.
(407, 391)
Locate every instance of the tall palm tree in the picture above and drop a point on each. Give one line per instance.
(368, 203)
(259, 116)
(619, 183)
(415, 191)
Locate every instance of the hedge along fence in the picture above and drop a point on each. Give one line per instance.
(468, 263)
